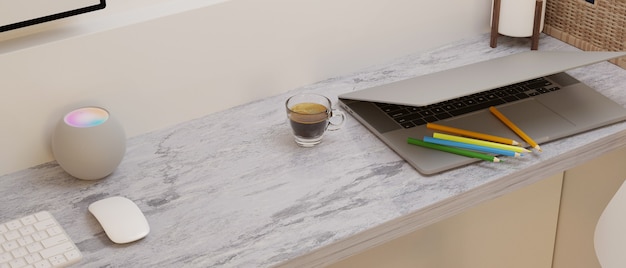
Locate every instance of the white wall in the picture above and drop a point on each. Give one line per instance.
(164, 62)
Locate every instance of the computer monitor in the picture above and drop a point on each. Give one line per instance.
(21, 13)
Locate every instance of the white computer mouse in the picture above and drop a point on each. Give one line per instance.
(121, 219)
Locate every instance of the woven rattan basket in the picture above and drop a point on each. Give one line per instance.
(598, 26)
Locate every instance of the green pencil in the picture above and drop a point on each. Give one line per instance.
(453, 150)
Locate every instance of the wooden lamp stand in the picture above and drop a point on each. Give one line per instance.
(536, 24)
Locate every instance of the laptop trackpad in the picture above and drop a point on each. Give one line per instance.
(535, 119)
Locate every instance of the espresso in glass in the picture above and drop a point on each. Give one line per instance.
(308, 120)
(309, 116)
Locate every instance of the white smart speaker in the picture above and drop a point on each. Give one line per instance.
(89, 143)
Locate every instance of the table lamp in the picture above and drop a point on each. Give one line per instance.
(89, 143)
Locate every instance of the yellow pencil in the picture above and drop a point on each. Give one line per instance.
(471, 134)
(481, 142)
(513, 127)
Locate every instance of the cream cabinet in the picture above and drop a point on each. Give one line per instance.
(514, 230)
(587, 189)
(547, 224)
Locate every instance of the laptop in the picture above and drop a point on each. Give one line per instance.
(530, 88)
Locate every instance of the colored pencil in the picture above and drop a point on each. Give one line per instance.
(471, 134)
(515, 129)
(453, 150)
(481, 142)
(474, 147)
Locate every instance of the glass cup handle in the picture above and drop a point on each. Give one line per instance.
(336, 120)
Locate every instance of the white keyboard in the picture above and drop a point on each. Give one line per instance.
(36, 241)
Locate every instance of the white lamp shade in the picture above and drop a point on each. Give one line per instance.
(517, 17)
(89, 143)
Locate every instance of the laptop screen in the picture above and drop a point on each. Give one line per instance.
(477, 77)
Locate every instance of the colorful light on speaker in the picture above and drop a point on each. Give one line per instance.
(88, 143)
(86, 117)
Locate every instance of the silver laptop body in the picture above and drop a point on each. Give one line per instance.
(530, 88)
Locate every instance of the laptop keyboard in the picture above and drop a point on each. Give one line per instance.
(412, 116)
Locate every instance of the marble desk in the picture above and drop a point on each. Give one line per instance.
(232, 189)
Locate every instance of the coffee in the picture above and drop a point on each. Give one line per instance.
(308, 120)
(310, 116)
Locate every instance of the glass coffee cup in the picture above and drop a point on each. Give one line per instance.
(310, 116)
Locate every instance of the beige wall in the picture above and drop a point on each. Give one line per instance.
(154, 65)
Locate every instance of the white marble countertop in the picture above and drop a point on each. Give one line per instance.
(232, 189)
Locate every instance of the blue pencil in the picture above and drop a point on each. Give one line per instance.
(474, 147)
